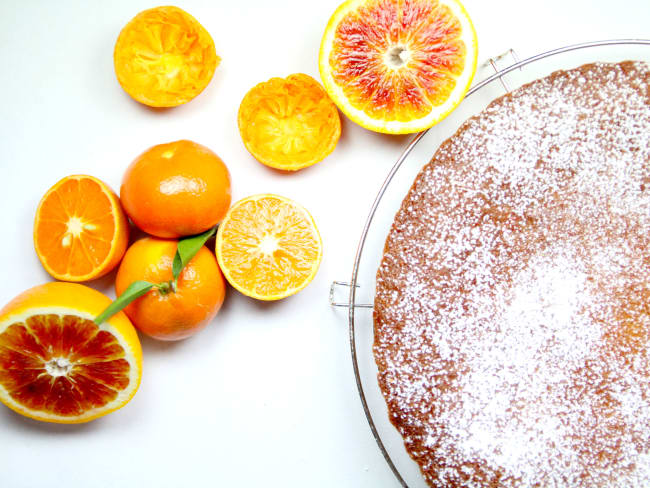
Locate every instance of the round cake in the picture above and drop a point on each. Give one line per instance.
(512, 307)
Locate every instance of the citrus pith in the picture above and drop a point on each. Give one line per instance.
(268, 247)
(80, 230)
(56, 364)
(398, 67)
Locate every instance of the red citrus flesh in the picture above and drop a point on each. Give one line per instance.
(395, 60)
(64, 365)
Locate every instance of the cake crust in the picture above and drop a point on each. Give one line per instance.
(512, 306)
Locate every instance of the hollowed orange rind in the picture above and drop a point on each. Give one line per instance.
(164, 57)
(398, 67)
(289, 123)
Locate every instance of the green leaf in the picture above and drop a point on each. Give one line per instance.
(133, 291)
(187, 249)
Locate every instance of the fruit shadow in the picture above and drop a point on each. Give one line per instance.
(348, 129)
(262, 305)
(275, 171)
(145, 108)
(18, 421)
(106, 284)
(156, 346)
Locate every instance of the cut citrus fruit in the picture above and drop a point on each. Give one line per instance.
(398, 66)
(56, 364)
(268, 247)
(163, 57)
(80, 230)
(289, 123)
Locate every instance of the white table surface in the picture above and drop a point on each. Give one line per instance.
(265, 395)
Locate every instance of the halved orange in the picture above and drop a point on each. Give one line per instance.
(56, 364)
(164, 57)
(268, 247)
(289, 123)
(398, 66)
(80, 230)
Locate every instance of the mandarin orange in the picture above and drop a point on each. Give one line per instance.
(176, 189)
(171, 314)
(289, 123)
(80, 230)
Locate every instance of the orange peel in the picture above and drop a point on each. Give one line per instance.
(164, 57)
(289, 123)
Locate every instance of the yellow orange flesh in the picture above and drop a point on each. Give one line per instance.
(398, 66)
(164, 57)
(289, 123)
(268, 247)
(56, 364)
(80, 230)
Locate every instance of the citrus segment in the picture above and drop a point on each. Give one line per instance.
(398, 66)
(80, 230)
(164, 57)
(289, 123)
(56, 364)
(268, 247)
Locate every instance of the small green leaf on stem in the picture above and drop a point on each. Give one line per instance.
(133, 291)
(187, 249)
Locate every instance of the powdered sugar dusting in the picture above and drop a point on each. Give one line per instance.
(511, 314)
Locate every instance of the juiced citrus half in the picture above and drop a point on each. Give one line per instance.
(398, 66)
(268, 247)
(289, 123)
(56, 364)
(164, 57)
(80, 230)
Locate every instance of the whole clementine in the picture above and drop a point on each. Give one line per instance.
(171, 313)
(176, 189)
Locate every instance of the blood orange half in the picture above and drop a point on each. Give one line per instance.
(398, 66)
(56, 364)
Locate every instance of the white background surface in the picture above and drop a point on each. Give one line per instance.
(265, 395)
